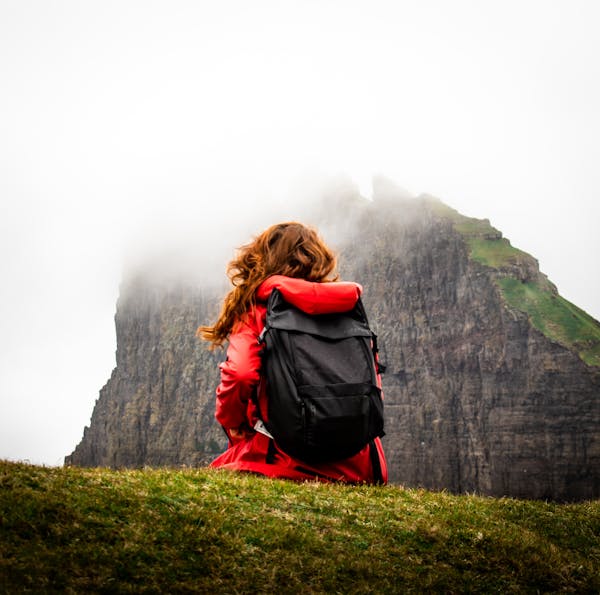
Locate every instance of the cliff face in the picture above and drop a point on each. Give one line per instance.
(158, 406)
(477, 398)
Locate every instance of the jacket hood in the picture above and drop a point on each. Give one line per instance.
(311, 297)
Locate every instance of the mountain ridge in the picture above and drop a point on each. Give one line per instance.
(490, 248)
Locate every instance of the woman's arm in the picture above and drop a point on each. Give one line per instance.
(240, 374)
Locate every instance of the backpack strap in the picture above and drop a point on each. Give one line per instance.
(271, 452)
(381, 368)
(375, 463)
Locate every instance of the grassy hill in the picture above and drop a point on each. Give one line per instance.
(551, 314)
(166, 531)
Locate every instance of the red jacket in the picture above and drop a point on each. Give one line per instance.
(240, 375)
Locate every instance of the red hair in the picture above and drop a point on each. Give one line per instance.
(289, 249)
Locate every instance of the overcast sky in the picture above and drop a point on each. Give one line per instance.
(123, 123)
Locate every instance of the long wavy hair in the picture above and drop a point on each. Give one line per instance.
(289, 249)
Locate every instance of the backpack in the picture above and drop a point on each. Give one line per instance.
(324, 404)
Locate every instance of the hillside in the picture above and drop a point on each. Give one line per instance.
(551, 314)
(492, 382)
(159, 531)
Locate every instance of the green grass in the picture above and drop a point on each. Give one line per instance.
(555, 317)
(166, 531)
(486, 244)
(494, 253)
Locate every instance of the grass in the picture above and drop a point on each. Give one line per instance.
(77, 530)
(486, 244)
(557, 318)
(494, 253)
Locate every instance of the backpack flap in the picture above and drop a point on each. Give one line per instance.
(284, 316)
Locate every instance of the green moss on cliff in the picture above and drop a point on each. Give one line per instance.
(557, 318)
(486, 244)
(494, 253)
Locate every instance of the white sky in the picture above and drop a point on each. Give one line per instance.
(121, 123)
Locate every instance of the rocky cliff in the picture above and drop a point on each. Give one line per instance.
(157, 407)
(493, 380)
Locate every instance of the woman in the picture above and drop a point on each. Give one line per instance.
(292, 258)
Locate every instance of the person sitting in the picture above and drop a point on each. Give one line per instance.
(291, 258)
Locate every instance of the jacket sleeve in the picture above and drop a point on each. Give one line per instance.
(240, 374)
(311, 297)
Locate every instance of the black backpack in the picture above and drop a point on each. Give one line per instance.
(324, 404)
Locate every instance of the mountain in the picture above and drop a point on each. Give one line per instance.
(492, 383)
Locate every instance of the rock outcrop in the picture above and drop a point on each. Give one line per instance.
(480, 395)
(157, 409)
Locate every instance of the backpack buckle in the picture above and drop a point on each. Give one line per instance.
(261, 337)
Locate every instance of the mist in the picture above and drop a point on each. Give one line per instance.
(150, 132)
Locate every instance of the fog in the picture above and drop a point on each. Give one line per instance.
(127, 128)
